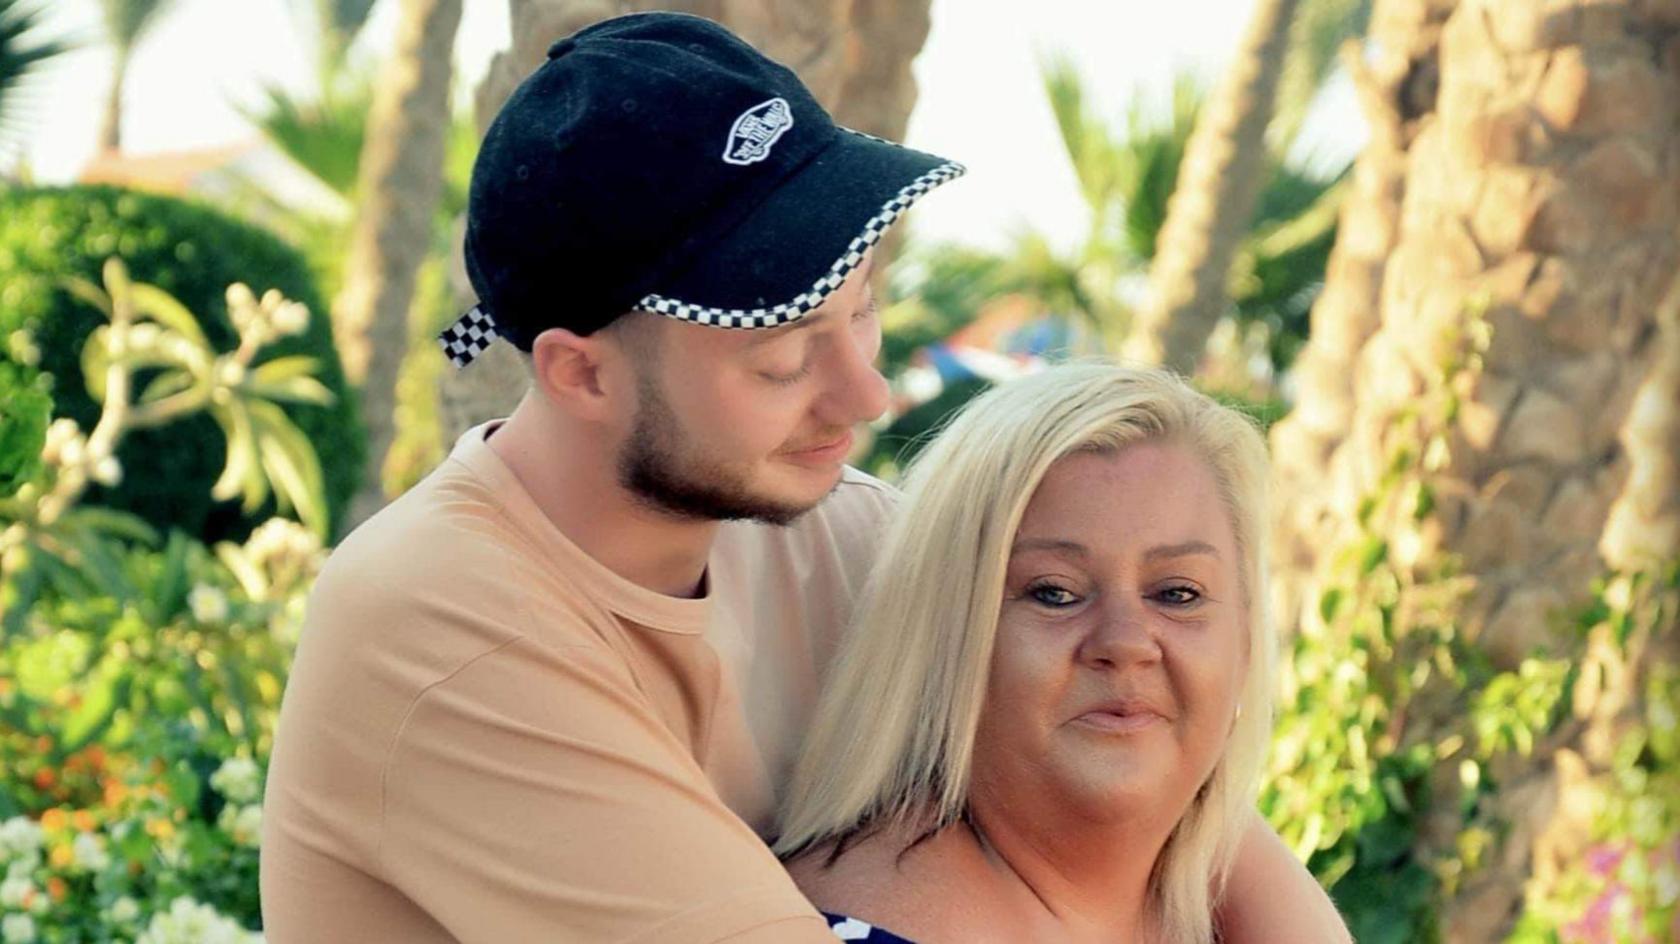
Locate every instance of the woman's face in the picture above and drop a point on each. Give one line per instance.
(1122, 642)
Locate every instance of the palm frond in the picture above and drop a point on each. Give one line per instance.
(324, 136)
(1316, 37)
(127, 20)
(21, 54)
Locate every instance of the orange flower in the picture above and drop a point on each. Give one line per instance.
(54, 819)
(45, 778)
(115, 792)
(62, 856)
(56, 888)
(84, 821)
(95, 756)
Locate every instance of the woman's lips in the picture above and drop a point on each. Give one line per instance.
(1119, 723)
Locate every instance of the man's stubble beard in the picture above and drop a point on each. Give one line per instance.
(663, 470)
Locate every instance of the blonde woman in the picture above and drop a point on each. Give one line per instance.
(1049, 718)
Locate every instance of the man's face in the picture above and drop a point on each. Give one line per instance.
(754, 424)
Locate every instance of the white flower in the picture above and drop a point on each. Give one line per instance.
(243, 824)
(24, 865)
(124, 910)
(291, 318)
(16, 890)
(188, 922)
(107, 471)
(18, 836)
(17, 929)
(90, 852)
(238, 779)
(209, 604)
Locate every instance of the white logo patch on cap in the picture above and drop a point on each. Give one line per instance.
(757, 131)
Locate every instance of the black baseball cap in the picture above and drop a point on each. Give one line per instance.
(657, 162)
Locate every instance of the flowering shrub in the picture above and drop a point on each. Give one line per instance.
(140, 677)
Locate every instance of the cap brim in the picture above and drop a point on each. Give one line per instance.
(782, 259)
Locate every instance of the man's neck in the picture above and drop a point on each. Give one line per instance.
(578, 490)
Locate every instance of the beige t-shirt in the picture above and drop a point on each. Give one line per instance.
(487, 736)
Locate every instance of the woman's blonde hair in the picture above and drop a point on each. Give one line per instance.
(893, 737)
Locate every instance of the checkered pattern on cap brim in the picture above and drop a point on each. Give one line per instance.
(473, 332)
(803, 304)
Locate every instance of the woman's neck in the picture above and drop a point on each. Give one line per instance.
(1089, 882)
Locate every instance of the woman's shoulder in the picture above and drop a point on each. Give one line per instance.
(919, 891)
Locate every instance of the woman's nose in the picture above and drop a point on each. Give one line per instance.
(1122, 635)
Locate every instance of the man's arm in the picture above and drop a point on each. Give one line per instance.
(1272, 897)
(534, 795)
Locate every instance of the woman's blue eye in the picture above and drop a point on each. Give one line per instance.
(1052, 595)
(1179, 596)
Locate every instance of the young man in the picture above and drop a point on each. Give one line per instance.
(548, 694)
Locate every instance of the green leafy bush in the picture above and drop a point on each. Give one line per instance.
(51, 235)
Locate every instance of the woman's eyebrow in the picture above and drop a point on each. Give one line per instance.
(1049, 544)
(1161, 551)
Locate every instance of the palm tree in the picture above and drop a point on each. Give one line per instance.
(337, 22)
(1397, 97)
(1550, 223)
(1127, 176)
(126, 23)
(21, 55)
(1282, 63)
(1211, 207)
(400, 182)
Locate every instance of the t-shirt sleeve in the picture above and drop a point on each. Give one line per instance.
(534, 795)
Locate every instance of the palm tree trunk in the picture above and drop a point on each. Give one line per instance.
(855, 56)
(1396, 85)
(1211, 208)
(401, 177)
(1544, 196)
(110, 125)
(1644, 523)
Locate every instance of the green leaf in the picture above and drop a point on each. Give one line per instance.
(1372, 555)
(96, 362)
(162, 307)
(1330, 603)
(112, 522)
(292, 390)
(166, 384)
(89, 294)
(98, 709)
(290, 463)
(284, 368)
(241, 455)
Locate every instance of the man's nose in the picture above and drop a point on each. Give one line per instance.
(857, 392)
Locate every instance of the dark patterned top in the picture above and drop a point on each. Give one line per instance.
(851, 929)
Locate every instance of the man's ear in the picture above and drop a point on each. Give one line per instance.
(574, 373)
